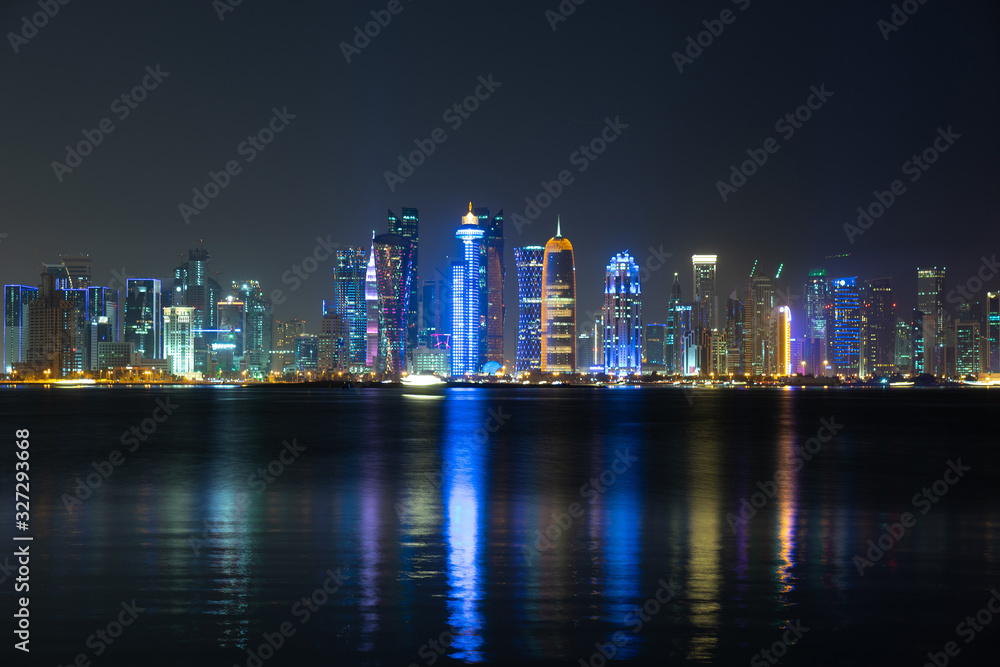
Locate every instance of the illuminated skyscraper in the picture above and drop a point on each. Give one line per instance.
(558, 305)
(653, 341)
(816, 344)
(15, 324)
(349, 300)
(143, 317)
(371, 309)
(878, 329)
(257, 337)
(393, 260)
(904, 347)
(466, 292)
(496, 273)
(194, 287)
(529, 305)
(846, 326)
(285, 335)
(51, 331)
(622, 317)
(930, 301)
(674, 347)
(734, 336)
(992, 332)
(758, 305)
(409, 228)
(704, 267)
(783, 342)
(968, 349)
(178, 339)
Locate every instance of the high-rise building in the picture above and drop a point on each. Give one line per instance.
(496, 272)
(558, 305)
(846, 326)
(258, 320)
(435, 311)
(782, 340)
(674, 361)
(285, 335)
(371, 310)
(467, 286)
(992, 332)
(622, 316)
(79, 270)
(196, 288)
(654, 347)
(584, 352)
(930, 301)
(178, 339)
(704, 267)
(143, 317)
(528, 260)
(333, 345)
(80, 298)
(306, 353)
(760, 303)
(968, 349)
(350, 299)
(16, 299)
(878, 329)
(919, 324)
(393, 271)
(818, 308)
(904, 347)
(734, 336)
(409, 228)
(229, 346)
(51, 331)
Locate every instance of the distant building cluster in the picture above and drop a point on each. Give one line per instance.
(383, 320)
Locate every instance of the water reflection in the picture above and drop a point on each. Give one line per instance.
(789, 463)
(464, 488)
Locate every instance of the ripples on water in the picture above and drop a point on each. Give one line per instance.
(478, 542)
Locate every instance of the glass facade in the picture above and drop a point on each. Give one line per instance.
(467, 288)
(558, 306)
(529, 305)
(622, 317)
(846, 326)
(393, 259)
(15, 323)
(350, 300)
(143, 317)
(178, 338)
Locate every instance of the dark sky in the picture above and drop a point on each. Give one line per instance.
(654, 186)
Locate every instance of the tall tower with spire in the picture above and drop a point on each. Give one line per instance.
(558, 305)
(465, 318)
(371, 309)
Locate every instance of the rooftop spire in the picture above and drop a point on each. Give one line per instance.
(558, 227)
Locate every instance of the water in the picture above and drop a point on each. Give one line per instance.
(507, 526)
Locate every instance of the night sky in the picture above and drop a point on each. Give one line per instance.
(655, 186)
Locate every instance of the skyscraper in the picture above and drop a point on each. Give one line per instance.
(674, 360)
(143, 314)
(904, 347)
(349, 300)
(878, 324)
(285, 335)
(393, 270)
(968, 349)
(257, 337)
(496, 273)
(15, 324)
(783, 342)
(653, 342)
(992, 332)
(734, 336)
(558, 305)
(704, 267)
(816, 348)
(466, 292)
(51, 331)
(371, 310)
(229, 346)
(529, 306)
(930, 301)
(760, 303)
(194, 287)
(409, 228)
(846, 326)
(622, 317)
(178, 339)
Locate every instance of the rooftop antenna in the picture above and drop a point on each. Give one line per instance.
(558, 227)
